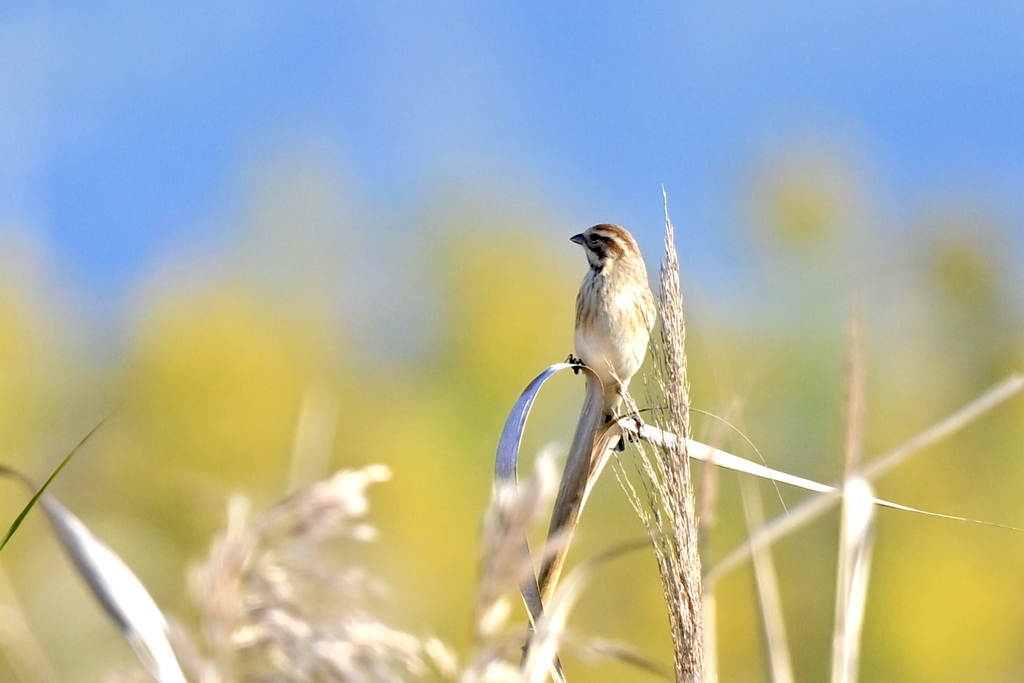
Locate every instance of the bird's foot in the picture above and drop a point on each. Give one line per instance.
(638, 422)
(576, 363)
(621, 445)
(630, 436)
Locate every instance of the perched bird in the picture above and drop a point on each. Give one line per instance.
(615, 310)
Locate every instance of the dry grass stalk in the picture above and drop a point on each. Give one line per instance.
(668, 510)
(858, 514)
(769, 595)
(854, 442)
(853, 568)
(707, 516)
(680, 559)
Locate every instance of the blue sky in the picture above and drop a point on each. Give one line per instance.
(126, 128)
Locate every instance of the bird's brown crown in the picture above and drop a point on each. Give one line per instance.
(608, 242)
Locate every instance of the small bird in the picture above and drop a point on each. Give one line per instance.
(615, 310)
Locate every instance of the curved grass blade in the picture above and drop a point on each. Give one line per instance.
(35, 497)
(119, 592)
(773, 624)
(572, 491)
(506, 463)
(573, 485)
(507, 458)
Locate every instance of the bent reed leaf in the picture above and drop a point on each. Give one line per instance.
(575, 477)
(573, 489)
(506, 464)
(119, 592)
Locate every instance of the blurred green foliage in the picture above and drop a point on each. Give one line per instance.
(206, 396)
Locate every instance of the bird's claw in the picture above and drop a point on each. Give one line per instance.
(576, 363)
(630, 436)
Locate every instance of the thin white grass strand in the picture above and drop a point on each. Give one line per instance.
(1000, 393)
(623, 652)
(709, 454)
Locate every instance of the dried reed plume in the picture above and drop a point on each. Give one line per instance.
(276, 604)
(669, 510)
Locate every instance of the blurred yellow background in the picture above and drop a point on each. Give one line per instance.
(205, 400)
(222, 221)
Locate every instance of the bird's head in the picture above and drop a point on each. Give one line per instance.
(606, 245)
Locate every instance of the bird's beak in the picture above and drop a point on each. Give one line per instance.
(578, 239)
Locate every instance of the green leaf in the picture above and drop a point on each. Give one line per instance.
(35, 498)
